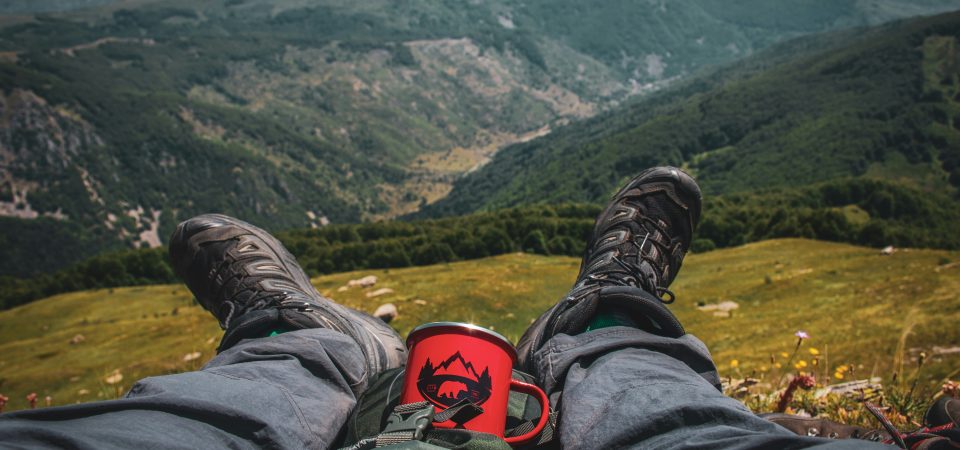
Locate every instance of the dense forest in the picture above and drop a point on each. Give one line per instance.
(288, 113)
(860, 211)
(880, 103)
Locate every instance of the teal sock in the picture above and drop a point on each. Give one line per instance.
(610, 317)
(277, 331)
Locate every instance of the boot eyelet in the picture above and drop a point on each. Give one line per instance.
(812, 431)
(833, 435)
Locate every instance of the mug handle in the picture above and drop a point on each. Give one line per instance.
(534, 391)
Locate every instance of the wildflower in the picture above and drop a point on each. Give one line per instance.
(785, 354)
(838, 375)
(48, 400)
(32, 398)
(734, 363)
(813, 351)
(763, 368)
(777, 365)
(804, 382)
(3, 401)
(800, 364)
(800, 334)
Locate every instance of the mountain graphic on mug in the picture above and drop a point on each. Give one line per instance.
(453, 380)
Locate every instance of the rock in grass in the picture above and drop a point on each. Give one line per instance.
(364, 282)
(386, 312)
(379, 292)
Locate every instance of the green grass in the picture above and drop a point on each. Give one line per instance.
(856, 304)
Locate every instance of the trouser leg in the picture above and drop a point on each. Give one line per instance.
(294, 390)
(623, 387)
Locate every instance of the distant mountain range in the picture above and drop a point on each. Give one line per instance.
(122, 118)
(880, 103)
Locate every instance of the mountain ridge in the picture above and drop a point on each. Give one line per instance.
(880, 104)
(127, 120)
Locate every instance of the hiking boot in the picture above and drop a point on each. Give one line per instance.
(945, 411)
(810, 426)
(254, 286)
(633, 254)
(941, 430)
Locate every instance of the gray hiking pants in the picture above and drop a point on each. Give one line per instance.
(621, 387)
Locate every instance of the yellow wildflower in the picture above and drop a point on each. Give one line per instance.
(838, 375)
(734, 363)
(814, 351)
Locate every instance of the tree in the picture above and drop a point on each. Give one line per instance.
(535, 243)
(432, 253)
(496, 240)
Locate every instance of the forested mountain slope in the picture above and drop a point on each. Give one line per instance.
(121, 118)
(880, 103)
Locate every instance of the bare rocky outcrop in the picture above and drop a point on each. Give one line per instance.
(37, 136)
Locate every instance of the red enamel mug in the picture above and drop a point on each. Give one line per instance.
(448, 362)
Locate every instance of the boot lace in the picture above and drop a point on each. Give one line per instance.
(636, 277)
(247, 284)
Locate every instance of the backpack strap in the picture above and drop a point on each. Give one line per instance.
(407, 422)
(410, 421)
(378, 412)
(460, 413)
(546, 435)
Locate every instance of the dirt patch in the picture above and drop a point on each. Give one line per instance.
(71, 51)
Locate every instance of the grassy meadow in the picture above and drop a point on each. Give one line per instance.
(871, 314)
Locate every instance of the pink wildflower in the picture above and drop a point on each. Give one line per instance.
(805, 382)
(800, 334)
(32, 398)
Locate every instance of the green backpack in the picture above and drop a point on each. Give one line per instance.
(379, 421)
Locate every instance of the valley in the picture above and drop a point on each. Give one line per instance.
(122, 118)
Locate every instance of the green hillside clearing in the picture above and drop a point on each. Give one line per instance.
(861, 309)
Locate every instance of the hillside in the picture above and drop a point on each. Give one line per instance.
(863, 310)
(878, 103)
(121, 118)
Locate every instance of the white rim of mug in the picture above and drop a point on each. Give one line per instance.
(468, 326)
